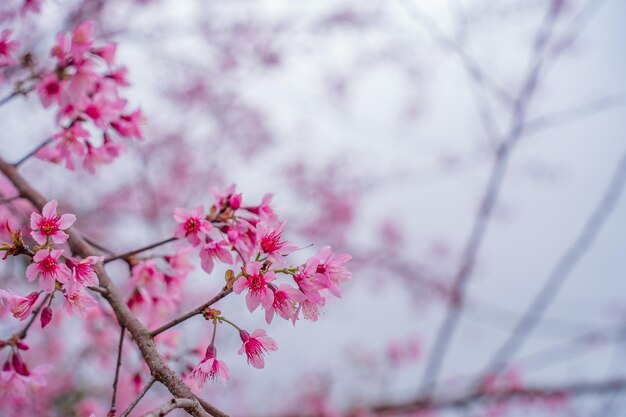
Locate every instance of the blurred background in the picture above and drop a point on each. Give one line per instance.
(469, 155)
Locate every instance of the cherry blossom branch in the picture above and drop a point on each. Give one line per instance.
(196, 311)
(143, 249)
(154, 360)
(143, 392)
(118, 365)
(172, 405)
(33, 152)
(562, 270)
(474, 242)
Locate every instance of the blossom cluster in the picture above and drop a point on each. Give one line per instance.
(251, 237)
(84, 86)
(53, 270)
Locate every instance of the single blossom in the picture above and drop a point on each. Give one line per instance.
(46, 263)
(270, 242)
(210, 368)
(49, 89)
(334, 267)
(17, 381)
(264, 210)
(255, 281)
(7, 48)
(49, 225)
(310, 310)
(214, 249)
(78, 302)
(255, 346)
(19, 306)
(191, 224)
(179, 262)
(284, 304)
(84, 272)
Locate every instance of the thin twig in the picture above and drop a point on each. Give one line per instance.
(118, 365)
(10, 199)
(561, 271)
(576, 113)
(488, 202)
(33, 152)
(8, 98)
(97, 245)
(143, 249)
(225, 291)
(470, 64)
(143, 392)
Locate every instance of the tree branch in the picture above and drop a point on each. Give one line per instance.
(488, 202)
(143, 392)
(118, 365)
(154, 360)
(561, 271)
(143, 249)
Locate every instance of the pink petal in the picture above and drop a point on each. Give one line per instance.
(240, 285)
(66, 221)
(32, 271)
(50, 208)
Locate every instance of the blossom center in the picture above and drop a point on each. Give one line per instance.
(49, 226)
(192, 225)
(256, 282)
(270, 242)
(48, 266)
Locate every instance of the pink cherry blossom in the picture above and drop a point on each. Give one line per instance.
(84, 272)
(49, 89)
(82, 39)
(19, 306)
(191, 224)
(78, 302)
(31, 6)
(255, 345)
(129, 125)
(107, 52)
(228, 197)
(255, 281)
(210, 368)
(270, 243)
(264, 210)
(17, 381)
(310, 310)
(179, 261)
(333, 266)
(7, 48)
(49, 224)
(46, 263)
(284, 304)
(214, 249)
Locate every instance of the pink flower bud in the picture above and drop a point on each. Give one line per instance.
(46, 316)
